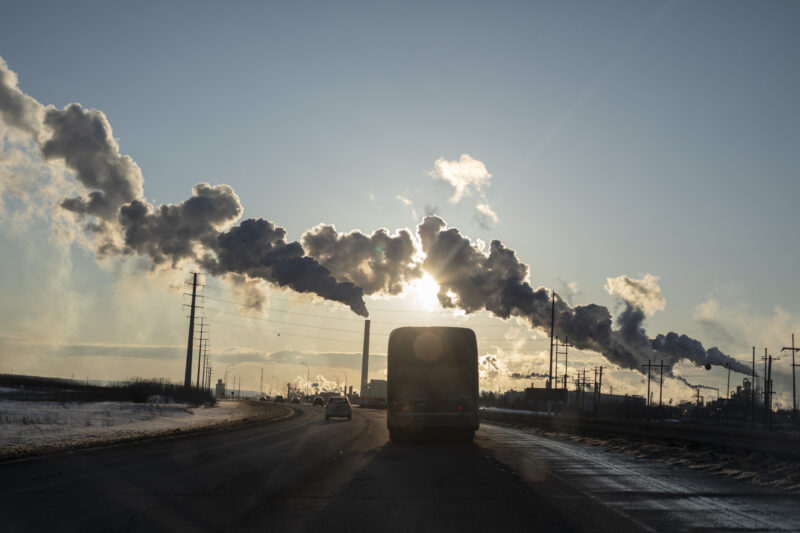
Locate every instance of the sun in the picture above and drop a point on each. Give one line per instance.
(423, 291)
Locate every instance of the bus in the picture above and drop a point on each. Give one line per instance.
(432, 384)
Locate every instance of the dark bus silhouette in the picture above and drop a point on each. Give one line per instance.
(432, 382)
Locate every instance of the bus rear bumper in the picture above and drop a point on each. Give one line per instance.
(432, 421)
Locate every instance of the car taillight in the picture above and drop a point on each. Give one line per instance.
(460, 407)
(405, 408)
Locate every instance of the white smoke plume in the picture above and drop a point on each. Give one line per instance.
(644, 294)
(18, 111)
(203, 230)
(499, 283)
(378, 263)
(111, 204)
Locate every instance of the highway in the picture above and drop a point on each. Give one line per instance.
(308, 474)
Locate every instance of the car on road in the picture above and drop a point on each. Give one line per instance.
(295, 400)
(278, 399)
(318, 401)
(338, 406)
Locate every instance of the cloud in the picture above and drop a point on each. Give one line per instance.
(708, 310)
(485, 210)
(468, 177)
(644, 294)
(408, 203)
(29, 347)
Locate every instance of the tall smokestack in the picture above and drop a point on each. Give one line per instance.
(365, 359)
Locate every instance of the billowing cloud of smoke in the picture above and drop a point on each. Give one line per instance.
(173, 233)
(683, 346)
(378, 263)
(338, 267)
(692, 385)
(317, 384)
(644, 294)
(198, 230)
(258, 249)
(497, 282)
(83, 139)
(528, 375)
(17, 110)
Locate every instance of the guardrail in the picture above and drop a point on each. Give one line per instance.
(784, 444)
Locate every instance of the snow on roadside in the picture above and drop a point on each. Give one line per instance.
(30, 427)
(753, 467)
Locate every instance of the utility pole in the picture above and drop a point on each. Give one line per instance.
(203, 361)
(566, 345)
(261, 385)
(187, 382)
(555, 343)
(552, 332)
(648, 365)
(200, 349)
(728, 364)
(766, 387)
(207, 363)
(769, 380)
(661, 384)
(794, 385)
(599, 390)
(753, 391)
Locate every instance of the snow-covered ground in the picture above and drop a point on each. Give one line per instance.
(754, 467)
(31, 427)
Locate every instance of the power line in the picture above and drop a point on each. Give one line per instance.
(282, 321)
(335, 329)
(332, 318)
(287, 334)
(371, 308)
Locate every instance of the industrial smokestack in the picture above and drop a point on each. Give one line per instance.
(365, 359)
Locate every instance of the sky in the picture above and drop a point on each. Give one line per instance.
(653, 142)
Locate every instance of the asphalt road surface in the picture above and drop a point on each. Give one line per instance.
(308, 474)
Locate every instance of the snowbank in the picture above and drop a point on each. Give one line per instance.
(31, 427)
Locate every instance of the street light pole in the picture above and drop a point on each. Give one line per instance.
(345, 382)
(276, 383)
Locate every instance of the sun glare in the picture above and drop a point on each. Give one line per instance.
(423, 291)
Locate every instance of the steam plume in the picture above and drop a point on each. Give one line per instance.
(378, 263)
(198, 230)
(17, 110)
(692, 385)
(497, 282)
(529, 375)
(339, 267)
